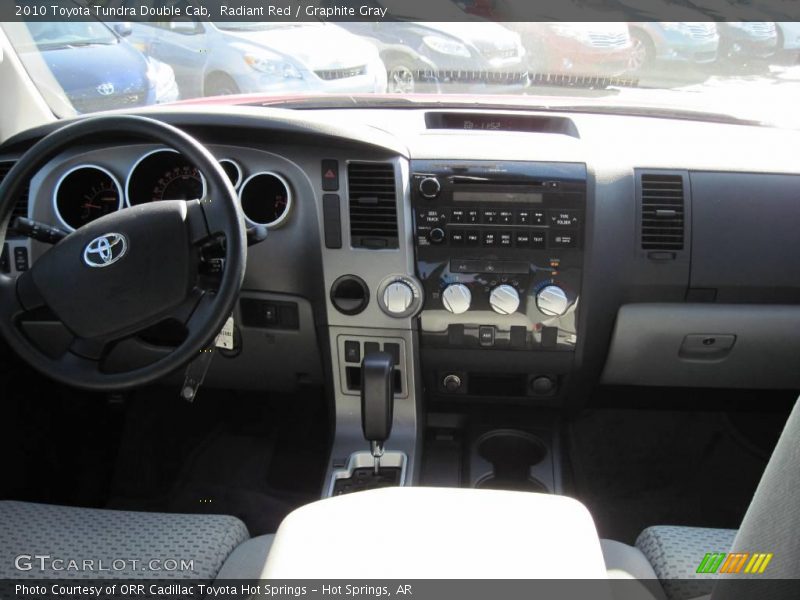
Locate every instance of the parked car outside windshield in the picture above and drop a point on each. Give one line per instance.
(95, 68)
(213, 59)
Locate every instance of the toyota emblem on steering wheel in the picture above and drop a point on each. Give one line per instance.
(105, 250)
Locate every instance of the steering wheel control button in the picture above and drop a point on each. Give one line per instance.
(486, 335)
(552, 301)
(429, 187)
(20, 258)
(457, 298)
(504, 300)
(352, 351)
(105, 250)
(330, 175)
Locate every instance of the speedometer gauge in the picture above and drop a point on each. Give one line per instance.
(178, 183)
(85, 193)
(164, 175)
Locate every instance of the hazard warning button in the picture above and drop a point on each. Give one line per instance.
(330, 175)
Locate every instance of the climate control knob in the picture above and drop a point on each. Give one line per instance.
(456, 298)
(398, 297)
(504, 299)
(430, 187)
(552, 301)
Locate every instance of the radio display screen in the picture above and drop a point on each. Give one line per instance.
(510, 197)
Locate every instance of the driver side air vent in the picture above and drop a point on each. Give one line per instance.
(662, 210)
(21, 205)
(373, 205)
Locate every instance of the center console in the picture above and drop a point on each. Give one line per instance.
(499, 252)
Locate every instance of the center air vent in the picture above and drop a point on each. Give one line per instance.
(373, 205)
(21, 205)
(663, 204)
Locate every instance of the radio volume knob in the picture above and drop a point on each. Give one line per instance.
(456, 298)
(430, 187)
(552, 301)
(504, 300)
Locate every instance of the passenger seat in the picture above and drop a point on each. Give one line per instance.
(671, 555)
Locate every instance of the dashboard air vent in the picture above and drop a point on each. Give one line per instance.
(373, 205)
(21, 205)
(662, 211)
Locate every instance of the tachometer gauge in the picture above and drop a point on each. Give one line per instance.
(85, 193)
(164, 175)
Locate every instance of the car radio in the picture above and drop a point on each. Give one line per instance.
(499, 250)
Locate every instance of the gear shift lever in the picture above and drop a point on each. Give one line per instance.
(377, 401)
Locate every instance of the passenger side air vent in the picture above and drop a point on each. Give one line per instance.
(21, 206)
(663, 204)
(373, 205)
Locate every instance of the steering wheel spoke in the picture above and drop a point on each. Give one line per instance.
(92, 349)
(196, 321)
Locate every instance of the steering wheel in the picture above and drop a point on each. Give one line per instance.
(126, 271)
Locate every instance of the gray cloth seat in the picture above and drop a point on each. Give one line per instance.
(41, 541)
(671, 554)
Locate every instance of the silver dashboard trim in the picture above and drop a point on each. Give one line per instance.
(289, 200)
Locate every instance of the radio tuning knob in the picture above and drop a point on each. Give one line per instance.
(456, 298)
(504, 299)
(436, 235)
(552, 301)
(430, 187)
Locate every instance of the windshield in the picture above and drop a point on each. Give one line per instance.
(475, 51)
(46, 36)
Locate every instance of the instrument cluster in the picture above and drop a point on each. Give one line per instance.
(89, 191)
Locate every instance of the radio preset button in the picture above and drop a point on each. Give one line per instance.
(506, 217)
(457, 215)
(490, 216)
(473, 216)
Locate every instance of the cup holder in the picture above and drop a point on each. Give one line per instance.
(511, 453)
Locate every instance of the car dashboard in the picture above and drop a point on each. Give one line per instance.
(499, 255)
